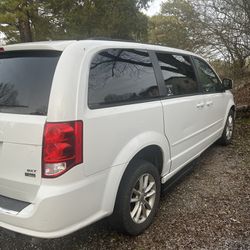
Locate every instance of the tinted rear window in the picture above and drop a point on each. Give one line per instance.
(25, 81)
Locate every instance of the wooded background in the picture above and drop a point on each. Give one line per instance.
(216, 29)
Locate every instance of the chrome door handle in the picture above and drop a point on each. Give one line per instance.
(200, 105)
(209, 103)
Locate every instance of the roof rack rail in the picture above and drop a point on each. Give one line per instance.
(111, 39)
(121, 40)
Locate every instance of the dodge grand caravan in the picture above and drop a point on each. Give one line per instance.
(90, 129)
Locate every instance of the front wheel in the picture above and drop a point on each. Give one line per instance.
(227, 135)
(137, 199)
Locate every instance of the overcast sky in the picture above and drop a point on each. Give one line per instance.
(154, 7)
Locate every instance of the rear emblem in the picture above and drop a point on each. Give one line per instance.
(30, 173)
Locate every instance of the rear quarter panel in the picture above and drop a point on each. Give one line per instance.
(112, 136)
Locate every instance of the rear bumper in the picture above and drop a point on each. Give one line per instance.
(11, 206)
(61, 210)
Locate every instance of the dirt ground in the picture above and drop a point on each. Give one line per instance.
(207, 209)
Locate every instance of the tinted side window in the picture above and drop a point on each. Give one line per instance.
(178, 74)
(120, 76)
(209, 81)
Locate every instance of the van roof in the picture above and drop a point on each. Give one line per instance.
(46, 45)
(61, 45)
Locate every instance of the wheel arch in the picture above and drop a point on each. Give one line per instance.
(153, 147)
(233, 108)
(153, 154)
(230, 106)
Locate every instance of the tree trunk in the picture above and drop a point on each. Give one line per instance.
(25, 30)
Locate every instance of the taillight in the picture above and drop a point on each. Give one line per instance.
(62, 147)
(1, 49)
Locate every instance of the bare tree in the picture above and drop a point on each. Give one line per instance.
(221, 27)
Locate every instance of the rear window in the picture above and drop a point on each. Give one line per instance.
(25, 81)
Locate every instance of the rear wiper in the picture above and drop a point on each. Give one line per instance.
(13, 106)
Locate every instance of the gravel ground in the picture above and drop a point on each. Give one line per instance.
(207, 209)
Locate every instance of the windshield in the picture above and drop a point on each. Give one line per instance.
(25, 81)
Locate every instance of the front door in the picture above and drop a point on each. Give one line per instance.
(215, 100)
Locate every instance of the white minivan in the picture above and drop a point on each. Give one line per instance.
(90, 129)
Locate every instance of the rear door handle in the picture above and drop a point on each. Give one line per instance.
(200, 105)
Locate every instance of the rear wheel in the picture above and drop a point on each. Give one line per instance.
(137, 199)
(227, 135)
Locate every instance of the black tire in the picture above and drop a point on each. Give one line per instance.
(122, 219)
(228, 131)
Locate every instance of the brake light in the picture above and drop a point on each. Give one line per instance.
(1, 49)
(62, 147)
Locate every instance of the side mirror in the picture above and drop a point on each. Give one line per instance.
(227, 84)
